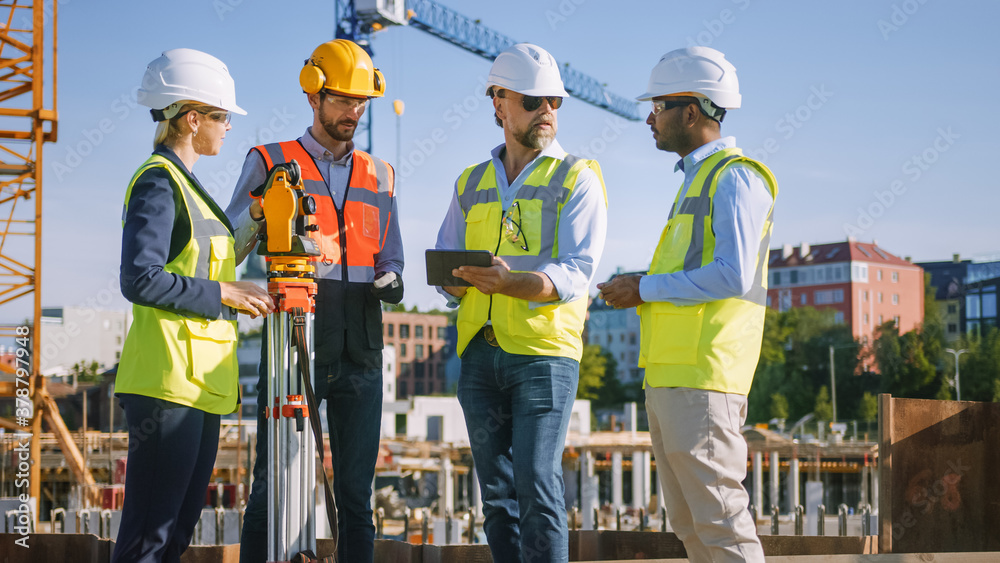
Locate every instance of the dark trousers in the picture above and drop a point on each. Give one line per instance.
(354, 415)
(171, 452)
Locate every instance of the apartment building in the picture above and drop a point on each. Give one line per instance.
(863, 283)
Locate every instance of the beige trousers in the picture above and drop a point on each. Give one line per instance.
(701, 461)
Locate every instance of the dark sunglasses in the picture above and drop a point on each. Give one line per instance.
(532, 103)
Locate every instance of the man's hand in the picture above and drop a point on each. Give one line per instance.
(256, 211)
(455, 290)
(621, 292)
(493, 279)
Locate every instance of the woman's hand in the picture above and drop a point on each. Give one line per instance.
(248, 297)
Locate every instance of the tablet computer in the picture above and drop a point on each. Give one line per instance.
(440, 263)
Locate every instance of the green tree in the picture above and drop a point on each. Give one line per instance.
(779, 406)
(85, 371)
(905, 369)
(612, 392)
(932, 329)
(807, 365)
(770, 368)
(593, 366)
(599, 378)
(795, 361)
(776, 333)
(823, 410)
(980, 366)
(868, 409)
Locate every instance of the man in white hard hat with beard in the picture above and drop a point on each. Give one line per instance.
(543, 215)
(702, 306)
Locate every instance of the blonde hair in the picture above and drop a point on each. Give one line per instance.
(170, 130)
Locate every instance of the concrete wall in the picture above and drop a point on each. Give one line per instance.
(80, 334)
(452, 419)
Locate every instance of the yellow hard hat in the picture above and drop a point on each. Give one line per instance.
(343, 67)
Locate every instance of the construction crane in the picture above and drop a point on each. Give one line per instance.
(28, 50)
(358, 20)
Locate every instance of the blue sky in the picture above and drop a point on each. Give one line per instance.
(876, 117)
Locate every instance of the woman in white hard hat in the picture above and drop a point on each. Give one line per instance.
(178, 370)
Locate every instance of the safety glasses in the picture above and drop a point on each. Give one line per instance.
(512, 227)
(661, 105)
(346, 103)
(223, 117)
(532, 103)
(219, 115)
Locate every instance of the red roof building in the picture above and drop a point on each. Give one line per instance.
(864, 284)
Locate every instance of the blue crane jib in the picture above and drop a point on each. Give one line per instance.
(358, 19)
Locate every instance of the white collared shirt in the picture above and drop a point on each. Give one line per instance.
(740, 207)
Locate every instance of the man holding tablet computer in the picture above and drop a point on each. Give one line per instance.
(541, 214)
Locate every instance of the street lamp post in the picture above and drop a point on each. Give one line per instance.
(957, 354)
(833, 387)
(397, 106)
(833, 380)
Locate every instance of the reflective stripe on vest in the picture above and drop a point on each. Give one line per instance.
(714, 345)
(550, 330)
(185, 360)
(366, 213)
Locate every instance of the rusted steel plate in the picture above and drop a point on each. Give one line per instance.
(937, 471)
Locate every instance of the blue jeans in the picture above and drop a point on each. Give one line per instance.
(354, 416)
(171, 452)
(517, 411)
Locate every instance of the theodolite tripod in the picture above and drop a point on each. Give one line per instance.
(289, 399)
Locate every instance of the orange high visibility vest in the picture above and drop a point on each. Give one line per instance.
(349, 238)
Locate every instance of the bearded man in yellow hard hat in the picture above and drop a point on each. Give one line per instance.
(360, 266)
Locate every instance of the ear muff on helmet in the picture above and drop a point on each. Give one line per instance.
(311, 78)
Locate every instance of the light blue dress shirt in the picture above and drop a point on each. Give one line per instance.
(583, 226)
(740, 208)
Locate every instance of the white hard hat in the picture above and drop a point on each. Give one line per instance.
(186, 74)
(697, 70)
(526, 69)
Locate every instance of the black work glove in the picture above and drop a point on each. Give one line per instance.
(388, 287)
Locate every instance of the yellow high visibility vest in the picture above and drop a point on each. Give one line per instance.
(715, 345)
(547, 330)
(185, 360)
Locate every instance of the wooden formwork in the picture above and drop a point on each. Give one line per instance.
(612, 545)
(882, 558)
(938, 490)
(584, 546)
(85, 548)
